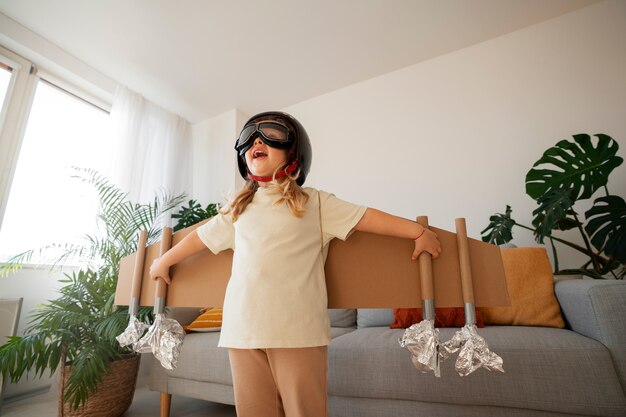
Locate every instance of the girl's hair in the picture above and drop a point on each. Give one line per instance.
(291, 193)
(241, 200)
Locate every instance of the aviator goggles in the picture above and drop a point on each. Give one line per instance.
(273, 133)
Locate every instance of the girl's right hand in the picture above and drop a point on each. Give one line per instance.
(159, 270)
(428, 242)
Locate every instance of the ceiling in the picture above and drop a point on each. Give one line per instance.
(201, 58)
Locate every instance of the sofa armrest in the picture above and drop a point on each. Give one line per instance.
(597, 309)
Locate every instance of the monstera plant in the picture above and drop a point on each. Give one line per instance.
(195, 213)
(568, 172)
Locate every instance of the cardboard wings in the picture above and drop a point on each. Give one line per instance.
(365, 271)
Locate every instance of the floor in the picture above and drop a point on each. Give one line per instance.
(145, 404)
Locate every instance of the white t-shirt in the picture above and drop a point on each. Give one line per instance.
(276, 296)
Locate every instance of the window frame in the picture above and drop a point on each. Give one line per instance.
(13, 119)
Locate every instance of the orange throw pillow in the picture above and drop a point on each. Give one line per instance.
(444, 317)
(531, 290)
(209, 320)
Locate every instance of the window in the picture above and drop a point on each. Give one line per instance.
(5, 79)
(45, 204)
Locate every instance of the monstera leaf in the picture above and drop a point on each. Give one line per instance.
(499, 230)
(606, 224)
(581, 168)
(554, 207)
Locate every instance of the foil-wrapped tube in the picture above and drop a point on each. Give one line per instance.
(474, 352)
(164, 339)
(132, 333)
(144, 345)
(422, 340)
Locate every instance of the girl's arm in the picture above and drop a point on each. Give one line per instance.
(190, 245)
(376, 221)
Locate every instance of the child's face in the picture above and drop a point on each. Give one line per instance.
(263, 160)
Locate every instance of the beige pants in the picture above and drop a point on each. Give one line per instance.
(287, 382)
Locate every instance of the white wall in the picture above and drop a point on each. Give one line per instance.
(215, 175)
(455, 136)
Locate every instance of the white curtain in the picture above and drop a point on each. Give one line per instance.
(152, 148)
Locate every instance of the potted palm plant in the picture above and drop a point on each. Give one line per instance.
(568, 172)
(77, 330)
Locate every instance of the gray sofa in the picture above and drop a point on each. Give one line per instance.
(580, 370)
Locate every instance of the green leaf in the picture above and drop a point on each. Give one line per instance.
(554, 207)
(212, 210)
(188, 216)
(581, 168)
(499, 231)
(606, 224)
(20, 354)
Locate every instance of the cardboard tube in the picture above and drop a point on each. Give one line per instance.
(426, 275)
(467, 285)
(161, 286)
(135, 289)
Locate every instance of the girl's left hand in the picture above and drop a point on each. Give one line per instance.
(427, 242)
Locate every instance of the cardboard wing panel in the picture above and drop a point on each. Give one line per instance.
(198, 281)
(373, 271)
(124, 280)
(365, 271)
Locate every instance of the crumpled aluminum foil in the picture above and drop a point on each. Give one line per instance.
(164, 339)
(474, 352)
(422, 340)
(132, 333)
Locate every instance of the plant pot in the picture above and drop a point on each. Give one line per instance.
(114, 394)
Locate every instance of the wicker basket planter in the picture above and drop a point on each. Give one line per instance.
(114, 395)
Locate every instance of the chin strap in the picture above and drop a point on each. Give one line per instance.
(290, 169)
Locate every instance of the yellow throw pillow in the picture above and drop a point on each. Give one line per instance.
(531, 290)
(210, 320)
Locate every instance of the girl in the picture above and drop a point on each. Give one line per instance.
(275, 321)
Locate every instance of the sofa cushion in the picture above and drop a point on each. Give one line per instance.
(209, 320)
(342, 317)
(340, 331)
(201, 360)
(531, 288)
(444, 317)
(374, 317)
(538, 362)
(183, 315)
